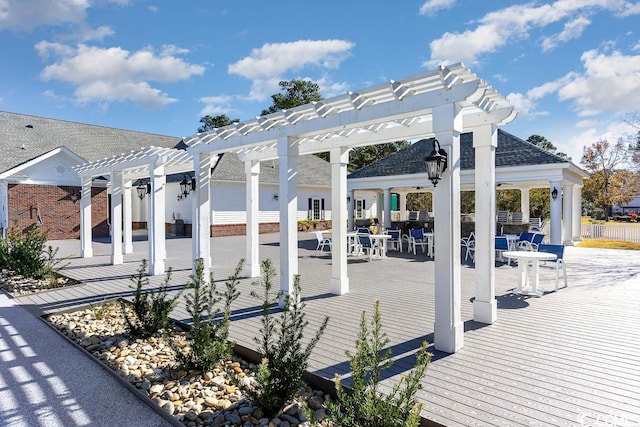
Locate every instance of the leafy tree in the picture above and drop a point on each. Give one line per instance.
(545, 144)
(212, 122)
(609, 183)
(293, 93)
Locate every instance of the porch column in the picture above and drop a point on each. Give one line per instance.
(4, 207)
(387, 208)
(379, 196)
(567, 214)
(252, 173)
(524, 204)
(116, 217)
(485, 306)
(201, 222)
(577, 213)
(157, 219)
(86, 248)
(288, 156)
(555, 207)
(448, 327)
(403, 206)
(339, 278)
(350, 208)
(127, 208)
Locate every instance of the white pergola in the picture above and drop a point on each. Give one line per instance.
(443, 103)
(122, 169)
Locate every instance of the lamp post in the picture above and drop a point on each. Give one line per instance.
(436, 163)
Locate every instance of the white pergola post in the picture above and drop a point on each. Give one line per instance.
(524, 204)
(4, 207)
(567, 214)
(339, 278)
(252, 172)
(86, 248)
(379, 208)
(201, 223)
(577, 214)
(449, 329)
(157, 219)
(351, 208)
(485, 141)
(403, 206)
(288, 158)
(555, 207)
(116, 218)
(387, 208)
(127, 208)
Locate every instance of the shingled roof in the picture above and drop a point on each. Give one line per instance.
(312, 170)
(27, 137)
(511, 151)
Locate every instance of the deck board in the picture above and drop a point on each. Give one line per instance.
(544, 362)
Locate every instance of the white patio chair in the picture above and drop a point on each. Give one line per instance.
(416, 238)
(395, 242)
(322, 242)
(469, 243)
(368, 246)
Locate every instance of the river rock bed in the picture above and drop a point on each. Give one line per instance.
(16, 284)
(195, 398)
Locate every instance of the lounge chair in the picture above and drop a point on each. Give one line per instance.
(322, 242)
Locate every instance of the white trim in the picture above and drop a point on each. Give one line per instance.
(42, 157)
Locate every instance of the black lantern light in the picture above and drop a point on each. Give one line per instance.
(143, 189)
(554, 193)
(185, 186)
(436, 163)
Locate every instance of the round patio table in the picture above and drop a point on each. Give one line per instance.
(528, 262)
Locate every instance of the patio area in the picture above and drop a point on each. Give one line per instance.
(570, 357)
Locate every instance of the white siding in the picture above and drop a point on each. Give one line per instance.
(55, 170)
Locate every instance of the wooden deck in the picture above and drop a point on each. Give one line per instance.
(568, 358)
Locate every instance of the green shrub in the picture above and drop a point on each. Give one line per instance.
(208, 336)
(27, 254)
(365, 404)
(151, 309)
(279, 376)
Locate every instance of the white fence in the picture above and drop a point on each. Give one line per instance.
(625, 232)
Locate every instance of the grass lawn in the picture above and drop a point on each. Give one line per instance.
(608, 244)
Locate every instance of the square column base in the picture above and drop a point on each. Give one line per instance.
(116, 259)
(485, 311)
(252, 270)
(449, 339)
(339, 286)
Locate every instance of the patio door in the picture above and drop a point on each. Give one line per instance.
(316, 208)
(360, 209)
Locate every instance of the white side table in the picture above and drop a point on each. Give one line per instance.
(528, 263)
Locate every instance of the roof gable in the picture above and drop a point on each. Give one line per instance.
(511, 151)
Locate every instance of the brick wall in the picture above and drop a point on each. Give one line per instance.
(54, 207)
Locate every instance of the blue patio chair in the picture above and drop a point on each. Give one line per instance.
(524, 241)
(536, 241)
(558, 251)
(502, 245)
(367, 246)
(394, 242)
(364, 230)
(416, 238)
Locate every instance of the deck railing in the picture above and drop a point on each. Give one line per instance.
(625, 232)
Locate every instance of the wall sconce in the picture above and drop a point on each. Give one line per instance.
(276, 197)
(348, 199)
(143, 189)
(554, 193)
(436, 163)
(75, 196)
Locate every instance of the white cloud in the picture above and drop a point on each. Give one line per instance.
(609, 82)
(28, 14)
(114, 74)
(498, 28)
(572, 30)
(430, 7)
(215, 105)
(524, 105)
(266, 65)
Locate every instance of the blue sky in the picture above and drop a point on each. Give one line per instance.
(570, 67)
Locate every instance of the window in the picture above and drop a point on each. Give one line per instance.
(360, 208)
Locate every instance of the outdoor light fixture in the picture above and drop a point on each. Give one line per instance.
(554, 193)
(143, 190)
(185, 186)
(276, 197)
(75, 196)
(436, 163)
(348, 199)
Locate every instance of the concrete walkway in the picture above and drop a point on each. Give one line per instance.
(46, 381)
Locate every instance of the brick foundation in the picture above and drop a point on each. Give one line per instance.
(54, 208)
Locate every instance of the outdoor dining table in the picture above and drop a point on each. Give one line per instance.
(528, 263)
(383, 239)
